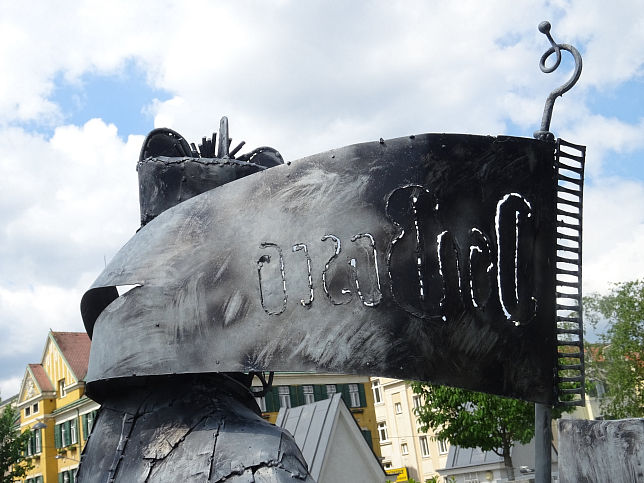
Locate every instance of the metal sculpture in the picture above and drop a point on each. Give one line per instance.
(427, 257)
(544, 27)
(200, 426)
(438, 257)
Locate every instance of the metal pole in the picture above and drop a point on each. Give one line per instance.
(542, 442)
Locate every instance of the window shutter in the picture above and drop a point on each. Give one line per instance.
(344, 390)
(67, 433)
(276, 399)
(293, 394)
(319, 392)
(367, 435)
(272, 400)
(363, 398)
(58, 437)
(268, 399)
(60, 478)
(300, 395)
(84, 424)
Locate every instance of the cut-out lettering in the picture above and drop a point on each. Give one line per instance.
(272, 281)
(303, 247)
(514, 237)
(335, 276)
(412, 258)
(370, 277)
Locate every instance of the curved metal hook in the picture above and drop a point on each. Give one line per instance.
(544, 27)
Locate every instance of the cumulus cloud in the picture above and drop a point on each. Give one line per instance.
(613, 233)
(302, 77)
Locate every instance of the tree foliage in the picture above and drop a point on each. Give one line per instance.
(13, 446)
(475, 420)
(619, 361)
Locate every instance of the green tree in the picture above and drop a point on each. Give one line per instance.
(476, 420)
(13, 447)
(618, 362)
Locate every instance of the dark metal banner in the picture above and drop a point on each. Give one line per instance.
(429, 257)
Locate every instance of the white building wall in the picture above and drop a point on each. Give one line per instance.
(396, 411)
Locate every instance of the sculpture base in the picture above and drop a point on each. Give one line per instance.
(187, 428)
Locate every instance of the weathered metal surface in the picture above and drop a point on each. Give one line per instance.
(570, 164)
(202, 428)
(601, 451)
(544, 27)
(170, 171)
(174, 180)
(543, 443)
(397, 258)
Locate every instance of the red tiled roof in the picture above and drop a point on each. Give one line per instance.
(75, 347)
(41, 377)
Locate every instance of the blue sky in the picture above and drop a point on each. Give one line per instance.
(303, 77)
(121, 99)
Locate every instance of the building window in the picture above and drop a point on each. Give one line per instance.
(285, 396)
(66, 433)
(308, 394)
(35, 408)
(37, 443)
(354, 394)
(33, 446)
(471, 478)
(404, 449)
(398, 408)
(73, 432)
(330, 390)
(442, 446)
(375, 387)
(260, 400)
(382, 432)
(416, 402)
(90, 422)
(424, 446)
(61, 388)
(87, 420)
(27, 411)
(261, 403)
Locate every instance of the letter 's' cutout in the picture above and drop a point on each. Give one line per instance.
(335, 276)
(371, 278)
(272, 282)
(515, 253)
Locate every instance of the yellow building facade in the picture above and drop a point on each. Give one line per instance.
(53, 404)
(292, 389)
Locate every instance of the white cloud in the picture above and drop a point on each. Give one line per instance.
(300, 76)
(72, 201)
(9, 387)
(613, 233)
(604, 137)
